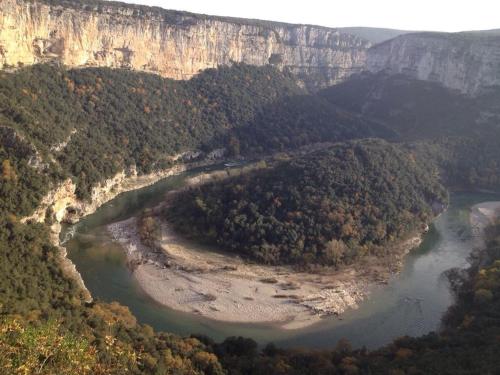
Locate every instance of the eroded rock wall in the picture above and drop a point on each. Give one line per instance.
(467, 62)
(172, 44)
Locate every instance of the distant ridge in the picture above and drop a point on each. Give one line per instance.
(374, 35)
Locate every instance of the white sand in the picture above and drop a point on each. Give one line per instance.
(188, 278)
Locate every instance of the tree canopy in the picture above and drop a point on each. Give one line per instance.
(330, 207)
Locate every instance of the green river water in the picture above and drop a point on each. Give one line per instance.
(411, 304)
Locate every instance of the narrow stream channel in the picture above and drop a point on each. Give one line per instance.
(411, 304)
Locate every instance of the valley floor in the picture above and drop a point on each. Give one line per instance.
(185, 276)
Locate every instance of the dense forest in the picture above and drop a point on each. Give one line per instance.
(466, 163)
(92, 123)
(47, 328)
(413, 109)
(88, 124)
(457, 133)
(329, 207)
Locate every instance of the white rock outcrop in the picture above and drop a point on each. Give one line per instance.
(173, 44)
(467, 62)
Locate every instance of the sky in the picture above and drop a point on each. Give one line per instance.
(435, 15)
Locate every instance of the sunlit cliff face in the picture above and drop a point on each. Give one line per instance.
(179, 45)
(465, 62)
(174, 45)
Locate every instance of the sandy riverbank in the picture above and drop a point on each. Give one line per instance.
(186, 277)
(64, 196)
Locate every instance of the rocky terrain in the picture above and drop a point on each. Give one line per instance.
(179, 45)
(174, 44)
(468, 62)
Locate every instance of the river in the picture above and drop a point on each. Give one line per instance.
(413, 302)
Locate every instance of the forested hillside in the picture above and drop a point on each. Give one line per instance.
(329, 207)
(92, 123)
(46, 327)
(466, 163)
(89, 124)
(460, 134)
(413, 109)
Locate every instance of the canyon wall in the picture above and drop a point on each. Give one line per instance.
(173, 44)
(179, 45)
(468, 62)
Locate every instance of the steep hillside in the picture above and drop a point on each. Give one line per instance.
(173, 44)
(94, 123)
(90, 124)
(459, 133)
(413, 109)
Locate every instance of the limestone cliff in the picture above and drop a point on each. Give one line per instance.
(65, 206)
(468, 62)
(173, 44)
